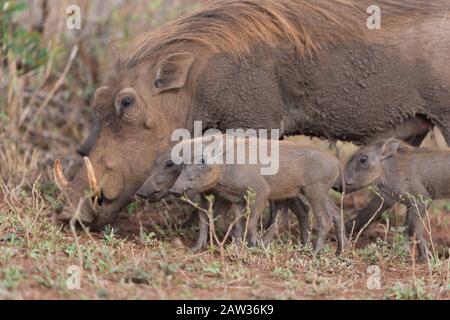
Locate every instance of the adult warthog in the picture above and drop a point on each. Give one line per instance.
(304, 67)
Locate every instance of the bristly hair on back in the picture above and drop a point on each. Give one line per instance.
(238, 27)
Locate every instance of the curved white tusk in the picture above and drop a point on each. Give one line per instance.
(58, 175)
(91, 177)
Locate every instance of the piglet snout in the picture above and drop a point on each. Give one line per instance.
(176, 193)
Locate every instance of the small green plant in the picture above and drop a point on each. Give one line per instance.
(213, 268)
(412, 291)
(132, 207)
(249, 197)
(169, 268)
(44, 277)
(10, 277)
(384, 250)
(109, 235)
(283, 273)
(148, 238)
(447, 205)
(138, 276)
(4, 119)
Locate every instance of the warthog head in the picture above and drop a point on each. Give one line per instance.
(366, 165)
(136, 113)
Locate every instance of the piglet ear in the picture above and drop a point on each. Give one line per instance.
(389, 148)
(172, 72)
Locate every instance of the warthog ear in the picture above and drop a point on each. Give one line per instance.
(389, 148)
(173, 72)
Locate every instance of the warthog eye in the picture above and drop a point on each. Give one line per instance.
(127, 101)
(363, 159)
(169, 164)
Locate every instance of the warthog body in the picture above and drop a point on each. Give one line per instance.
(164, 174)
(302, 170)
(409, 175)
(303, 67)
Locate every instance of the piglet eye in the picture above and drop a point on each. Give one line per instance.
(127, 101)
(169, 164)
(158, 82)
(363, 159)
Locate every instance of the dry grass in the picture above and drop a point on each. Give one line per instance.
(44, 115)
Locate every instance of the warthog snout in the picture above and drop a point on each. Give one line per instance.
(144, 194)
(337, 186)
(141, 194)
(180, 188)
(349, 186)
(85, 217)
(150, 190)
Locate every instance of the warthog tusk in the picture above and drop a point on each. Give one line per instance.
(91, 176)
(58, 175)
